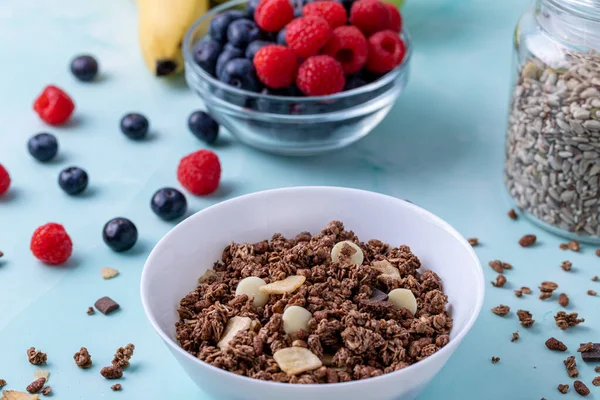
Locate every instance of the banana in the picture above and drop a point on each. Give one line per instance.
(162, 25)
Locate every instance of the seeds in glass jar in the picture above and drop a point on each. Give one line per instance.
(250, 286)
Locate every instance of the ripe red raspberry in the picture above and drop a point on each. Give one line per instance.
(276, 66)
(200, 172)
(51, 244)
(53, 105)
(369, 16)
(349, 46)
(307, 35)
(320, 76)
(4, 180)
(332, 12)
(386, 51)
(395, 18)
(273, 15)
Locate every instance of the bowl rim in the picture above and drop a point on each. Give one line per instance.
(449, 348)
(188, 56)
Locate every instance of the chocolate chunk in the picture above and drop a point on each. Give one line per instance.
(593, 354)
(106, 305)
(581, 389)
(378, 295)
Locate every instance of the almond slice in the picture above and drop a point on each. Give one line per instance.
(295, 360)
(288, 285)
(14, 395)
(207, 275)
(356, 257)
(250, 286)
(295, 318)
(403, 298)
(234, 325)
(386, 268)
(108, 272)
(41, 373)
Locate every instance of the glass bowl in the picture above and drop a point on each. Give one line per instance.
(292, 125)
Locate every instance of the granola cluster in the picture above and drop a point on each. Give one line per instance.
(352, 328)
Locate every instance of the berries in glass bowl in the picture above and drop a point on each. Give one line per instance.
(307, 83)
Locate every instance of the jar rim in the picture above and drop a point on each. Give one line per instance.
(587, 9)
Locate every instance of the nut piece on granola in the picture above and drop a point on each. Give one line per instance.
(347, 251)
(525, 318)
(571, 366)
(111, 372)
(250, 286)
(566, 266)
(386, 268)
(295, 318)
(82, 358)
(36, 357)
(41, 373)
(14, 395)
(580, 388)
(563, 388)
(295, 360)
(403, 298)
(288, 285)
(564, 320)
(122, 356)
(234, 325)
(555, 344)
(563, 300)
(501, 310)
(36, 385)
(527, 240)
(108, 272)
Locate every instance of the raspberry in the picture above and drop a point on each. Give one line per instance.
(349, 46)
(276, 66)
(307, 35)
(386, 51)
(320, 75)
(199, 172)
(51, 244)
(4, 180)
(369, 16)
(332, 12)
(53, 105)
(395, 18)
(273, 15)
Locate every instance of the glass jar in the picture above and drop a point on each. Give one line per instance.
(552, 164)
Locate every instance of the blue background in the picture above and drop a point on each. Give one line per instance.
(441, 147)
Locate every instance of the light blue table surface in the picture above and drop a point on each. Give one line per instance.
(441, 147)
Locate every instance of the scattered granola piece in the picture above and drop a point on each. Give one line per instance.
(106, 305)
(545, 295)
(111, 372)
(46, 391)
(285, 286)
(83, 359)
(108, 272)
(295, 360)
(14, 395)
(515, 337)
(564, 246)
(574, 245)
(1, 254)
(566, 265)
(499, 266)
(598, 252)
(563, 388)
(473, 242)
(500, 281)
(501, 310)
(512, 214)
(563, 300)
(526, 290)
(571, 366)
(585, 347)
(555, 344)
(36, 385)
(2, 383)
(564, 320)
(495, 360)
(548, 286)
(597, 369)
(116, 387)
(595, 278)
(122, 356)
(36, 357)
(592, 292)
(593, 354)
(580, 388)
(527, 240)
(525, 318)
(518, 292)
(596, 381)
(91, 311)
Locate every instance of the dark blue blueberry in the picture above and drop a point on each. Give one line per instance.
(251, 8)
(240, 73)
(206, 54)
(228, 54)
(281, 38)
(203, 126)
(168, 204)
(219, 24)
(241, 32)
(85, 68)
(73, 180)
(354, 81)
(43, 146)
(135, 126)
(120, 234)
(254, 47)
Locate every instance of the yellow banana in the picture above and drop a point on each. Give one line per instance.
(162, 25)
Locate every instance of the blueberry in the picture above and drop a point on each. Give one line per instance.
(73, 180)
(120, 234)
(251, 7)
(281, 38)
(203, 126)
(241, 32)
(135, 126)
(43, 146)
(219, 24)
(240, 73)
(85, 68)
(354, 81)
(228, 54)
(254, 47)
(168, 204)
(206, 54)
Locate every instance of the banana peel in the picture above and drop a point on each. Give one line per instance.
(162, 24)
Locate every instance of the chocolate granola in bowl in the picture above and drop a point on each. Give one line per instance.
(315, 309)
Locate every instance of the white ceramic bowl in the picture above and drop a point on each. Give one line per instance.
(181, 257)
